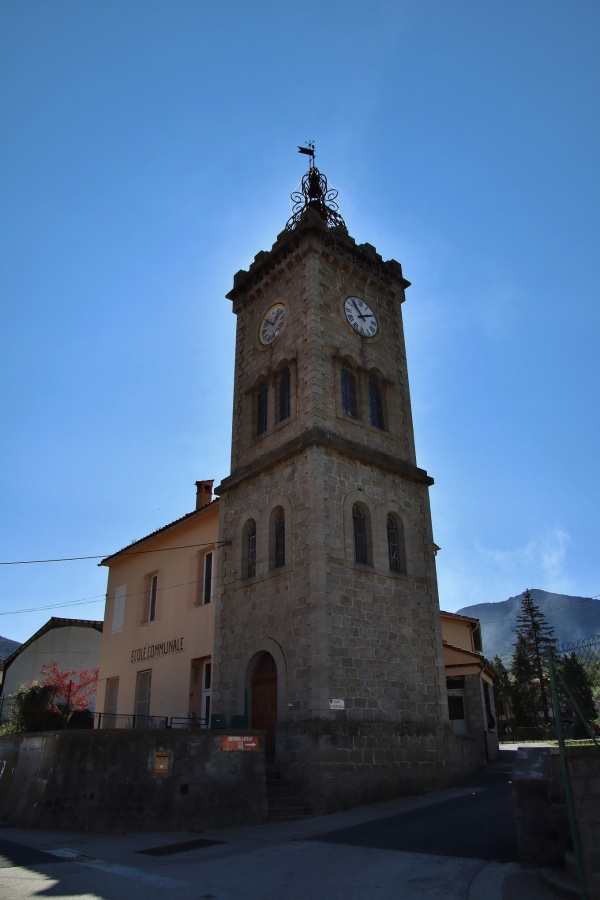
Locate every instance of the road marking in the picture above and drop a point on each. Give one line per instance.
(115, 869)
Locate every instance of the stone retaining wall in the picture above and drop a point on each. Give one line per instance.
(129, 781)
(340, 765)
(584, 771)
(540, 811)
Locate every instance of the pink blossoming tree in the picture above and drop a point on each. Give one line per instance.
(72, 691)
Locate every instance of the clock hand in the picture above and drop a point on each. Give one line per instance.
(360, 315)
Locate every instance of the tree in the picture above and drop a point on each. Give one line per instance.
(29, 709)
(69, 694)
(523, 689)
(537, 637)
(44, 705)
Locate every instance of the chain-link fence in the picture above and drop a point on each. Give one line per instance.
(577, 673)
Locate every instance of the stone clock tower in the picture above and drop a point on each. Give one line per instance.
(327, 630)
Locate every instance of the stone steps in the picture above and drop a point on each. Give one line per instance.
(283, 803)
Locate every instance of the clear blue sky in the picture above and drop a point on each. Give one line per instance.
(148, 152)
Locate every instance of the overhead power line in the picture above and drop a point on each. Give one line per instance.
(14, 612)
(30, 562)
(98, 598)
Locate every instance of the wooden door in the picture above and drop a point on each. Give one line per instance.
(264, 701)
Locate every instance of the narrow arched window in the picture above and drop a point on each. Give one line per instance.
(360, 535)
(348, 382)
(251, 549)
(280, 539)
(285, 394)
(375, 402)
(396, 551)
(392, 538)
(262, 410)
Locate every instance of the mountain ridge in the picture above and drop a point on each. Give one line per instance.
(573, 619)
(7, 647)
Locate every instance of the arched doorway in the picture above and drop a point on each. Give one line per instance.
(264, 700)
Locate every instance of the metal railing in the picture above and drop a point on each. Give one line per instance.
(128, 722)
(189, 722)
(139, 723)
(117, 720)
(529, 734)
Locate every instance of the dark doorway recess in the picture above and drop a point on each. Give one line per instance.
(264, 700)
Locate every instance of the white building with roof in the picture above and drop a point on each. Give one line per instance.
(73, 643)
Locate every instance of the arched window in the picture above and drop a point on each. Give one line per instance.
(348, 381)
(262, 410)
(375, 402)
(280, 539)
(285, 394)
(392, 539)
(251, 549)
(396, 551)
(360, 535)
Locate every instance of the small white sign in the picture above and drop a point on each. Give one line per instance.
(336, 704)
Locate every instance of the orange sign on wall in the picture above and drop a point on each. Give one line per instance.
(235, 742)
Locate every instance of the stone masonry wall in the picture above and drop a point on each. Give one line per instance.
(342, 764)
(348, 631)
(584, 771)
(312, 282)
(341, 630)
(541, 813)
(110, 781)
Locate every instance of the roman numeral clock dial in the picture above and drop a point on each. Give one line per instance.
(360, 316)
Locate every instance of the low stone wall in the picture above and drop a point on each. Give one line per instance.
(540, 813)
(129, 781)
(540, 810)
(584, 772)
(344, 764)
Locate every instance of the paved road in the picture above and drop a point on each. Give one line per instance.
(451, 845)
(285, 870)
(16, 855)
(480, 825)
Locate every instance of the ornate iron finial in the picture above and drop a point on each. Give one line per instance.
(315, 194)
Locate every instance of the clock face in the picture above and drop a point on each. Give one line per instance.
(272, 324)
(360, 316)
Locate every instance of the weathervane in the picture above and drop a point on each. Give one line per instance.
(315, 194)
(309, 150)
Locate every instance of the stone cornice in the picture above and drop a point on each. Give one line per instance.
(337, 241)
(319, 437)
